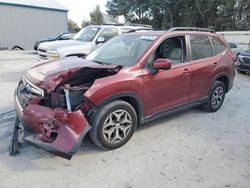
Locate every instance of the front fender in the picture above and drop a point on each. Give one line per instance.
(131, 95)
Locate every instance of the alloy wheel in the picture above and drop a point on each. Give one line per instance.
(217, 97)
(117, 126)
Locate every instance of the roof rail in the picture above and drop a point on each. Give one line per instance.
(191, 29)
(135, 24)
(140, 30)
(129, 24)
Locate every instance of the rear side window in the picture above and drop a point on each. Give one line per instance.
(200, 47)
(109, 33)
(217, 45)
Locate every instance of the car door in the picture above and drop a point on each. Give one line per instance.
(203, 65)
(167, 88)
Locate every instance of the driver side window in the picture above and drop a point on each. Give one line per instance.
(172, 48)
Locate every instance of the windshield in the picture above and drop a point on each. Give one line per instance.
(87, 34)
(122, 50)
(55, 36)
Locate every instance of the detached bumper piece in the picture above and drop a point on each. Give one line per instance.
(14, 140)
(55, 130)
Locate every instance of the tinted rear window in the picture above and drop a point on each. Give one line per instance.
(109, 33)
(200, 47)
(217, 45)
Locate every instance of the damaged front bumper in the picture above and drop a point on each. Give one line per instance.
(51, 104)
(55, 130)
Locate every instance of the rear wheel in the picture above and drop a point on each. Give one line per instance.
(216, 97)
(113, 125)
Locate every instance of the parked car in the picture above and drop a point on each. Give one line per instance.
(243, 64)
(55, 37)
(84, 41)
(235, 48)
(131, 79)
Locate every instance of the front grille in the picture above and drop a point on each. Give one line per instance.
(42, 50)
(23, 96)
(42, 55)
(246, 60)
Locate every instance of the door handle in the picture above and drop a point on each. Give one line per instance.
(215, 64)
(186, 71)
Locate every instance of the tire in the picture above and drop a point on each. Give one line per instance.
(216, 97)
(240, 71)
(113, 125)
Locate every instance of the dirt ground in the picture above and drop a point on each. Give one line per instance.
(190, 149)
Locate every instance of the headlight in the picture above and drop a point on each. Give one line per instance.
(54, 52)
(32, 88)
(240, 60)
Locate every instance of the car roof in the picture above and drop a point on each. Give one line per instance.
(166, 33)
(150, 33)
(163, 34)
(120, 26)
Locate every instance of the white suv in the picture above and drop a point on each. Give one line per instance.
(85, 41)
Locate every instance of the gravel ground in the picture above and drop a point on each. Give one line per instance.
(190, 149)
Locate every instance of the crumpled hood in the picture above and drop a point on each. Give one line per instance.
(49, 74)
(55, 45)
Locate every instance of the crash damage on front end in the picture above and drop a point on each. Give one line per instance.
(53, 110)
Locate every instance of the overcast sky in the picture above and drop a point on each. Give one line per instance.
(80, 9)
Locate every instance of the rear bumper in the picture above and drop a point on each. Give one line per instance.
(231, 80)
(54, 130)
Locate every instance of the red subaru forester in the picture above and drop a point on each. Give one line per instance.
(131, 79)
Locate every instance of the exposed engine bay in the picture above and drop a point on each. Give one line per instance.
(70, 93)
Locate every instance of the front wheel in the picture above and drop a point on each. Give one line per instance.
(113, 125)
(216, 97)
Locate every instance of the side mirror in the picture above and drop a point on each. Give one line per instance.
(161, 64)
(100, 40)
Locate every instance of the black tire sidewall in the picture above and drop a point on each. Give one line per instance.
(214, 87)
(96, 133)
